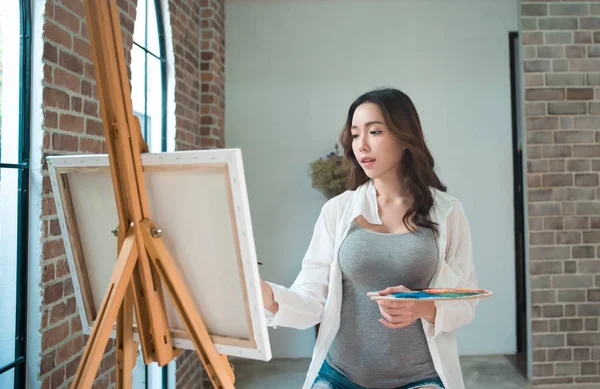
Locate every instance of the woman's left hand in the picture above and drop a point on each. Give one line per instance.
(401, 313)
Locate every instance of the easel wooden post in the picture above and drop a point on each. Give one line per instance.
(143, 263)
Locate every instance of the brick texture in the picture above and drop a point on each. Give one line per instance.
(560, 42)
(190, 373)
(199, 72)
(71, 125)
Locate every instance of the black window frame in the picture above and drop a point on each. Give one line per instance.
(22, 165)
(161, 56)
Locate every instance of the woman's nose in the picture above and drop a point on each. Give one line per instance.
(363, 145)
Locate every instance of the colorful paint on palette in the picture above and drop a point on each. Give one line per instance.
(434, 294)
(424, 295)
(441, 293)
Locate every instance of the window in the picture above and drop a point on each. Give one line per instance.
(148, 74)
(15, 54)
(148, 94)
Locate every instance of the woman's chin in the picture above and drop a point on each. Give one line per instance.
(372, 175)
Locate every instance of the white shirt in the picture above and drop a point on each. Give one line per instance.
(316, 294)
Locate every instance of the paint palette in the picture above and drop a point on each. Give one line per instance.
(434, 294)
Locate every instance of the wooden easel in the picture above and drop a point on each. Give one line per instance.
(143, 262)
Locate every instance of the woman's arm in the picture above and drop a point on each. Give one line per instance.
(268, 297)
(457, 272)
(301, 305)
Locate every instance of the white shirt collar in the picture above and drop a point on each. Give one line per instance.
(365, 203)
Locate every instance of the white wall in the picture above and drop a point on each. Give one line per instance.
(294, 67)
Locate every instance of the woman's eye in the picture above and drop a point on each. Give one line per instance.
(375, 132)
(354, 136)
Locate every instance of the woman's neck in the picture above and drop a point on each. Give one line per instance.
(391, 190)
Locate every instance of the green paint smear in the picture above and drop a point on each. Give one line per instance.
(425, 295)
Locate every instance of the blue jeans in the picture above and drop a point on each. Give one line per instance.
(329, 378)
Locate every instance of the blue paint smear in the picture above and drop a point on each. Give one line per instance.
(425, 295)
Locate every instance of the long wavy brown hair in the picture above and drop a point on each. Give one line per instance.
(417, 163)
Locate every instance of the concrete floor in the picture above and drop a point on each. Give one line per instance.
(485, 372)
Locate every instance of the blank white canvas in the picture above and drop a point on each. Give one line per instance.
(191, 199)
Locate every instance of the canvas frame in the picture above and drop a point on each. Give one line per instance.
(228, 163)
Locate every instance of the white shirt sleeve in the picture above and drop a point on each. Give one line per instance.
(457, 271)
(301, 305)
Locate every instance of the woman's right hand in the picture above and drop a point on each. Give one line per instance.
(268, 298)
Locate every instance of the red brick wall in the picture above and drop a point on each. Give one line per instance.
(562, 92)
(190, 373)
(71, 125)
(199, 72)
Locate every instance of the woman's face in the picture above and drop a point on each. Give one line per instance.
(376, 149)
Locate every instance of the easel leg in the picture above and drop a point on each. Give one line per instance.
(122, 137)
(126, 347)
(163, 351)
(143, 318)
(216, 365)
(119, 281)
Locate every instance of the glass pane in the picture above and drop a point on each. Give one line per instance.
(1, 50)
(139, 32)
(7, 379)
(9, 195)
(9, 84)
(152, 24)
(139, 372)
(138, 94)
(155, 376)
(146, 376)
(155, 107)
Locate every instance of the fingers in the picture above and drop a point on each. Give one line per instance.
(395, 311)
(386, 316)
(394, 326)
(403, 304)
(395, 315)
(394, 289)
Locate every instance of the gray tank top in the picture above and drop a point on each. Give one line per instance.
(364, 350)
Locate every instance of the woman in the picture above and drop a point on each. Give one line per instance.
(395, 229)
